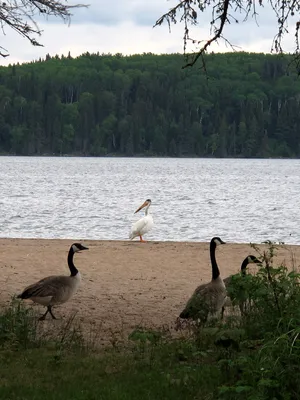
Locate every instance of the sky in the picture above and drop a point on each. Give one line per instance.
(126, 26)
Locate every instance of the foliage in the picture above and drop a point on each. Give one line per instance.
(99, 105)
(266, 363)
(226, 12)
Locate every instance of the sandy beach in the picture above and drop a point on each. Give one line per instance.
(124, 284)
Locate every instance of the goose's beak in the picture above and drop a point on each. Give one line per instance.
(222, 242)
(141, 207)
(84, 248)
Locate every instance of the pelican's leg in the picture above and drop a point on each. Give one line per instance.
(141, 239)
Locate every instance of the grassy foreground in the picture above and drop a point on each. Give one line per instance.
(253, 356)
(152, 367)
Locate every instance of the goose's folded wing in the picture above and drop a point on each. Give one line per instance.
(200, 288)
(196, 304)
(45, 287)
(206, 298)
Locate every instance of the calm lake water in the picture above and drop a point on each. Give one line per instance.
(192, 199)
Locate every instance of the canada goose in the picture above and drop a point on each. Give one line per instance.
(230, 298)
(143, 225)
(56, 289)
(208, 298)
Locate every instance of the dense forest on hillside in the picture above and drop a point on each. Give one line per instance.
(247, 106)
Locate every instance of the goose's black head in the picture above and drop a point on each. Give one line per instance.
(249, 260)
(253, 259)
(217, 241)
(77, 247)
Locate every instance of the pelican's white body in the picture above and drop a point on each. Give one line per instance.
(142, 226)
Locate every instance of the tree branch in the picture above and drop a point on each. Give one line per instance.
(223, 19)
(19, 16)
(284, 10)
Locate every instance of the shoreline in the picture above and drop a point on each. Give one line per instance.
(125, 284)
(120, 241)
(189, 156)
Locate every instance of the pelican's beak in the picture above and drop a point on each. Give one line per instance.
(141, 207)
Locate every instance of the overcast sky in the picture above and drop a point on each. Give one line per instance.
(127, 27)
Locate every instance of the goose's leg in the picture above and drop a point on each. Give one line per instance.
(48, 311)
(44, 315)
(141, 239)
(51, 313)
(222, 312)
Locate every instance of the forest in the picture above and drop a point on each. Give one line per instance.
(242, 105)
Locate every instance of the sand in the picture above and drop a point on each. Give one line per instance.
(124, 284)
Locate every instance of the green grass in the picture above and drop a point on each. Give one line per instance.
(160, 372)
(151, 366)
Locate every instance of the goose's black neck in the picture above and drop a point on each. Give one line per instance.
(214, 265)
(243, 266)
(73, 269)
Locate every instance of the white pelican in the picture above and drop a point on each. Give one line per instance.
(143, 225)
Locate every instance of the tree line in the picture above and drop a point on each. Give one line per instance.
(243, 105)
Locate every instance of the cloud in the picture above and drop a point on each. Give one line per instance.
(147, 13)
(100, 12)
(126, 38)
(126, 26)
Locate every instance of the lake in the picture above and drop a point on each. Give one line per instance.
(240, 200)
